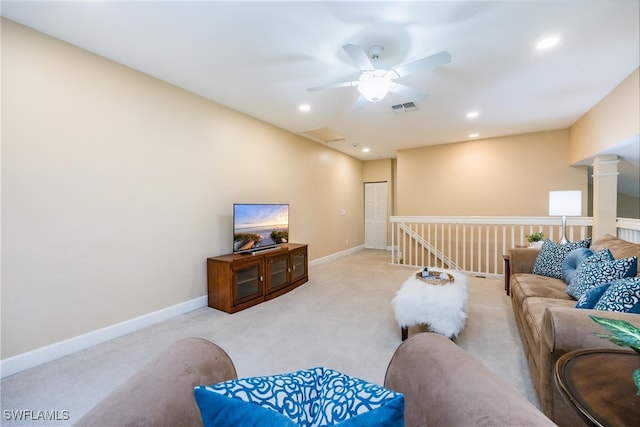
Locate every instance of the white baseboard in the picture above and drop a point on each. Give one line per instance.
(21, 362)
(335, 256)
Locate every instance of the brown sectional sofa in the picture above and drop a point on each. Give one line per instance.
(443, 386)
(550, 325)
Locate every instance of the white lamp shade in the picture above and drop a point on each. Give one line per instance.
(565, 203)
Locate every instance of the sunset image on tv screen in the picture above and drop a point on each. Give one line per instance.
(260, 225)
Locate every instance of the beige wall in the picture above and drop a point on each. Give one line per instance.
(611, 122)
(614, 121)
(507, 176)
(628, 206)
(117, 186)
(377, 171)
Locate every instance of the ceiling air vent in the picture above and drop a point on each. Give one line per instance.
(325, 135)
(406, 107)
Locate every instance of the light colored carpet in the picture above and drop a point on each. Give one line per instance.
(341, 319)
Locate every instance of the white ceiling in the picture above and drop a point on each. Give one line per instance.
(259, 58)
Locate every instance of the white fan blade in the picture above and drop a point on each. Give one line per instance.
(359, 104)
(359, 56)
(423, 64)
(409, 92)
(333, 86)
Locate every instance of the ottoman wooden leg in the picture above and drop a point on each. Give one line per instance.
(405, 332)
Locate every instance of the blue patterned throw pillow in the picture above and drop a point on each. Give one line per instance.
(622, 295)
(551, 256)
(591, 274)
(313, 397)
(590, 298)
(583, 257)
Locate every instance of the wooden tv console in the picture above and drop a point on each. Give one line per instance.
(239, 281)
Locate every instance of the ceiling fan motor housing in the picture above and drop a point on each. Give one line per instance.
(375, 52)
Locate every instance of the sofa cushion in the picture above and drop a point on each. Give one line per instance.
(525, 285)
(591, 297)
(621, 295)
(549, 260)
(311, 397)
(591, 274)
(618, 247)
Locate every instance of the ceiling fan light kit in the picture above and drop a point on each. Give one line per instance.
(375, 85)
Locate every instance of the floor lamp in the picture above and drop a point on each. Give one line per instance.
(565, 203)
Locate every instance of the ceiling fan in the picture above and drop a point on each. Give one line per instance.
(375, 83)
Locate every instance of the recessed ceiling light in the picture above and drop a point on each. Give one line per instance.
(547, 42)
(474, 135)
(365, 150)
(304, 108)
(472, 114)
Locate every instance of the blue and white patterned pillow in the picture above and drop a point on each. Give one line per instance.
(313, 397)
(584, 259)
(592, 274)
(622, 295)
(590, 298)
(549, 260)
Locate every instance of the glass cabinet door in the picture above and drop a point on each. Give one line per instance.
(298, 264)
(248, 283)
(277, 272)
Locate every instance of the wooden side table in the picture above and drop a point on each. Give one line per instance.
(507, 273)
(598, 383)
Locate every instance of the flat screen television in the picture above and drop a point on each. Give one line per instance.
(259, 226)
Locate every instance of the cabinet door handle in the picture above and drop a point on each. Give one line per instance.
(261, 278)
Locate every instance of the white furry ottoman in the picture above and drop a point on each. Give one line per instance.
(442, 307)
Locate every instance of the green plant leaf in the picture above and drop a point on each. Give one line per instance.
(636, 379)
(534, 237)
(624, 333)
(616, 340)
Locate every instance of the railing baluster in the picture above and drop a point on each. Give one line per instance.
(457, 253)
(422, 252)
(450, 251)
(472, 254)
(464, 247)
(495, 249)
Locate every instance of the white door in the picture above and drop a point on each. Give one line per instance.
(375, 215)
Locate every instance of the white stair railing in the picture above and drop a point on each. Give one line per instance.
(472, 244)
(422, 242)
(628, 229)
(477, 245)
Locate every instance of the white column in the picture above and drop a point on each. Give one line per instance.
(605, 195)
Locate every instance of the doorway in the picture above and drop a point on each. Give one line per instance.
(375, 215)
